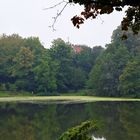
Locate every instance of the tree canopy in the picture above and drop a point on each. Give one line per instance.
(116, 71)
(25, 65)
(93, 8)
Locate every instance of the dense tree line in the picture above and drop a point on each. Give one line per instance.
(25, 65)
(116, 72)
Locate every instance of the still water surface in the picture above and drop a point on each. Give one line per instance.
(37, 121)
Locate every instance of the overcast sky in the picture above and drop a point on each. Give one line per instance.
(27, 18)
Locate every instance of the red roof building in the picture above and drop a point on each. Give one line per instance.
(76, 48)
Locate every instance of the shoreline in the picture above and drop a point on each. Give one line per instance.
(63, 99)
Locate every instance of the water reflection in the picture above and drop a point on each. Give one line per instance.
(94, 138)
(26, 121)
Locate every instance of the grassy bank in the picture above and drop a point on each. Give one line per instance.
(28, 97)
(62, 98)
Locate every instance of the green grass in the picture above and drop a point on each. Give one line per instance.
(27, 97)
(62, 98)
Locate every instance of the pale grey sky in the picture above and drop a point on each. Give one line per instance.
(27, 18)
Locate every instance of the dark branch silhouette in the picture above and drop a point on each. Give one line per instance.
(58, 13)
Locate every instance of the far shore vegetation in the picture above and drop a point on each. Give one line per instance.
(27, 68)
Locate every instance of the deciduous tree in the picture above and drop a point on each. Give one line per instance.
(93, 8)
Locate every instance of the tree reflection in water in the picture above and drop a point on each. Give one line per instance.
(48, 121)
(95, 138)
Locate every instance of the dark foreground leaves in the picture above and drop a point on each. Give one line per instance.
(80, 132)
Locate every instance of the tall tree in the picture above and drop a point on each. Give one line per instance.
(45, 75)
(22, 68)
(104, 77)
(61, 52)
(130, 79)
(83, 63)
(9, 46)
(18, 57)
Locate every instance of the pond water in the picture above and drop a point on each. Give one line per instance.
(39, 121)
